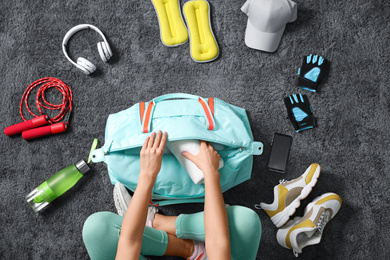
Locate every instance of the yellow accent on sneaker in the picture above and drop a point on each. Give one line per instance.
(282, 193)
(330, 197)
(313, 169)
(307, 224)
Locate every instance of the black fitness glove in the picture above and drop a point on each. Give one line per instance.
(313, 69)
(299, 112)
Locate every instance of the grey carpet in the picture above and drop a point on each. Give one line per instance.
(352, 107)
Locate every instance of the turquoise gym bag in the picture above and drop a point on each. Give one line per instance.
(183, 117)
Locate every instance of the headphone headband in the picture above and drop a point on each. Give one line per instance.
(78, 28)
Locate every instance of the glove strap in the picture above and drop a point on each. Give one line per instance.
(306, 84)
(306, 123)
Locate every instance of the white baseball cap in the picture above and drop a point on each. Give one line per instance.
(266, 22)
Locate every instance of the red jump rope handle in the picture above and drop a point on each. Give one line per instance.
(45, 130)
(29, 124)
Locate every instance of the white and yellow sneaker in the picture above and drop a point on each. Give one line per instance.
(307, 230)
(288, 195)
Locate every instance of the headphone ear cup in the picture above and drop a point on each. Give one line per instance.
(104, 51)
(85, 65)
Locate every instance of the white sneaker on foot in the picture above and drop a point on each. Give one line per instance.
(121, 198)
(199, 251)
(288, 195)
(152, 210)
(307, 230)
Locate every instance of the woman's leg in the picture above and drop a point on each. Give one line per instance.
(166, 223)
(101, 235)
(244, 230)
(179, 247)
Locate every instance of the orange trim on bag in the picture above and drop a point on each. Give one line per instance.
(147, 117)
(211, 105)
(141, 110)
(206, 110)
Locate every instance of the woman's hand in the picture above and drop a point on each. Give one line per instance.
(215, 216)
(133, 225)
(207, 159)
(151, 154)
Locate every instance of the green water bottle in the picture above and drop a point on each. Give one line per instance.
(56, 185)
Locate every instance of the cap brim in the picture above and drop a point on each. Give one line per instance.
(263, 41)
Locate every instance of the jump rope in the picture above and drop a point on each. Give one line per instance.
(35, 128)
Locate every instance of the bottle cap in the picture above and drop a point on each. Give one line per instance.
(82, 166)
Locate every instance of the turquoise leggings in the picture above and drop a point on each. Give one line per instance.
(101, 234)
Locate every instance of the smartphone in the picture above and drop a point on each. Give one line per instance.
(279, 153)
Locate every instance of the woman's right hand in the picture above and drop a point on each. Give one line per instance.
(207, 159)
(215, 216)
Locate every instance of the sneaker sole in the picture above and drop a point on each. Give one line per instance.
(282, 217)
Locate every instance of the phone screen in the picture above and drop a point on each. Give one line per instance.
(279, 153)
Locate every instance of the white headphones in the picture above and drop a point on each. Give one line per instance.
(83, 64)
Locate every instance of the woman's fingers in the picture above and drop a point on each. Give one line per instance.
(189, 156)
(203, 144)
(146, 143)
(155, 141)
(158, 140)
(206, 145)
(151, 140)
(163, 141)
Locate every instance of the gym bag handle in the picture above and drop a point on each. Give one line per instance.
(146, 114)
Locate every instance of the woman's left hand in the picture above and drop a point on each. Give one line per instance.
(133, 225)
(151, 154)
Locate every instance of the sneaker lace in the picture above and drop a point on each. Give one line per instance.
(323, 221)
(282, 181)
